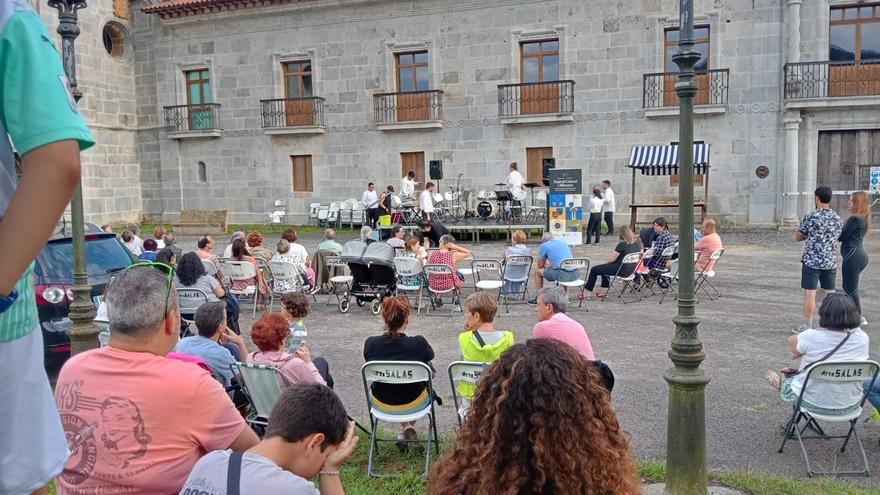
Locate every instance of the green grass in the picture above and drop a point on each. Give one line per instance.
(390, 460)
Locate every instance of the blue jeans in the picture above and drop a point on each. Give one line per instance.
(874, 393)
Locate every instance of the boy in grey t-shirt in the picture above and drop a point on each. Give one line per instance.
(308, 435)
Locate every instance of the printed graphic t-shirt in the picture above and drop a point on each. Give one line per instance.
(137, 423)
(259, 476)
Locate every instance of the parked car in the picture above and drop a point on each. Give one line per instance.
(53, 279)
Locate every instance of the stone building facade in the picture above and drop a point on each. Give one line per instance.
(241, 144)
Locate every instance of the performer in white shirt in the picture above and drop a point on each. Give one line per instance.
(515, 186)
(426, 202)
(370, 199)
(608, 205)
(408, 185)
(594, 225)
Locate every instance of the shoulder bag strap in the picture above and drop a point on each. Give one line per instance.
(479, 338)
(848, 333)
(233, 475)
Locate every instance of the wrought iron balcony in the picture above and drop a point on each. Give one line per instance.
(292, 112)
(832, 79)
(658, 89)
(414, 106)
(184, 118)
(541, 98)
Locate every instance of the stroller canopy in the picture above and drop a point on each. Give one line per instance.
(379, 253)
(353, 251)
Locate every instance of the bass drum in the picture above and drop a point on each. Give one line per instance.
(485, 209)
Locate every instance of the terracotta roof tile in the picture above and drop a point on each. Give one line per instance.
(181, 8)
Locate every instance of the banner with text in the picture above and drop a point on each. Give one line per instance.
(564, 205)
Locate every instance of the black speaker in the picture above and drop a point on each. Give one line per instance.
(435, 169)
(546, 165)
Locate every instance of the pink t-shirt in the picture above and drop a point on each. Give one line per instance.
(137, 423)
(707, 245)
(293, 368)
(564, 329)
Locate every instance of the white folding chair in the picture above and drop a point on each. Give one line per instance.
(582, 267)
(398, 373)
(839, 373)
(407, 269)
(189, 299)
(345, 212)
(262, 385)
(463, 376)
(628, 263)
(333, 214)
(434, 290)
(243, 270)
(468, 273)
(516, 272)
(210, 268)
(323, 213)
(665, 254)
(284, 272)
(487, 277)
(671, 277)
(313, 212)
(358, 214)
(335, 264)
(703, 276)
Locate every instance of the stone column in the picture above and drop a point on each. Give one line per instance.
(794, 31)
(792, 123)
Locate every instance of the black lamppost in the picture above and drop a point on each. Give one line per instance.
(686, 422)
(84, 334)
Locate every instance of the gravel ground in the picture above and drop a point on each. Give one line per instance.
(744, 334)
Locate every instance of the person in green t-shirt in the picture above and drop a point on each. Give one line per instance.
(40, 121)
(480, 342)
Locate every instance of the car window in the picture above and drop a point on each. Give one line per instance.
(103, 256)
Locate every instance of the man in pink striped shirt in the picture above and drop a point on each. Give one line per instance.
(555, 324)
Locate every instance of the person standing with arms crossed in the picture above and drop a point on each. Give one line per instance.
(40, 118)
(609, 205)
(370, 199)
(820, 229)
(594, 226)
(855, 258)
(426, 202)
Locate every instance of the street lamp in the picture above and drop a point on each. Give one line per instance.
(83, 334)
(686, 422)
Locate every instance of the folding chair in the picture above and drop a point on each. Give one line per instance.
(268, 275)
(313, 212)
(672, 278)
(262, 386)
(323, 213)
(189, 299)
(243, 270)
(358, 214)
(487, 276)
(345, 212)
(333, 214)
(649, 254)
(840, 373)
(210, 268)
(399, 372)
(284, 272)
(336, 263)
(582, 266)
(444, 271)
(628, 281)
(467, 273)
(463, 376)
(703, 276)
(406, 268)
(516, 271)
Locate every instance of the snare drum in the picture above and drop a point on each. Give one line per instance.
(451, 196)
(485, 209)
(438, 198)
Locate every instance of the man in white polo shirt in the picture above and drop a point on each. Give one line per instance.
(608, 205)
(426, 202)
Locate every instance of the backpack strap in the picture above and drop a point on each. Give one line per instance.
(479, 338)
(233, 475)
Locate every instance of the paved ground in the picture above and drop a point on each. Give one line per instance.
(743, 333)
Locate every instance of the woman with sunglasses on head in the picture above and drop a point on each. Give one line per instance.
(855, 258)
(191, 274)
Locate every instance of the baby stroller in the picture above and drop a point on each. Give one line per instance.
(372, 270)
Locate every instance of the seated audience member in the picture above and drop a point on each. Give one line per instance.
(136, 230)
(256, 248)
(708, 244)
(210, 321)
(206, 249)
(412, 249)
(662, 240)
(284, 255)
(159, 235)
(107, 228)
(296, 248)
(241, 254)
(574, 443)
(839, 319)
(166, 256)
(628, 245)
(553, 323)
(308, 436)
(171, 243)
(480, 342)
(227, 252)
(517, 248)
(329, 243)
(191, 274)
(269, 334)
(367, 234)
(430, 233)
(149, 253)
(449, 254)
(646, 237)
(130, 243)
(295, 307)
(396, 239)
(395, 345)
(551, 254)
(138, 422)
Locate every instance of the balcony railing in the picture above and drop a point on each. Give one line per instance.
(293, 112)
(550, 97)
(832, 79)
(181, 118)
(658, 90)
(412, 106)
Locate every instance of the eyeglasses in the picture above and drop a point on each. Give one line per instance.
(165, 269)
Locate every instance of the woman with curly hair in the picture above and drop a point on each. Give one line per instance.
(269, 333)
(541, 423)
(256, 248)
(191, 274)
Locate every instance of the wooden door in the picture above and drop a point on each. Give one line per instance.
(413, 162)
(844, 162)
(413, 106)
(534, 160)
(299, 108)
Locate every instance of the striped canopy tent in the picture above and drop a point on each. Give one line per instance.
(663, 160)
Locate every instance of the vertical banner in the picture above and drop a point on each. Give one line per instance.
(565, 207)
